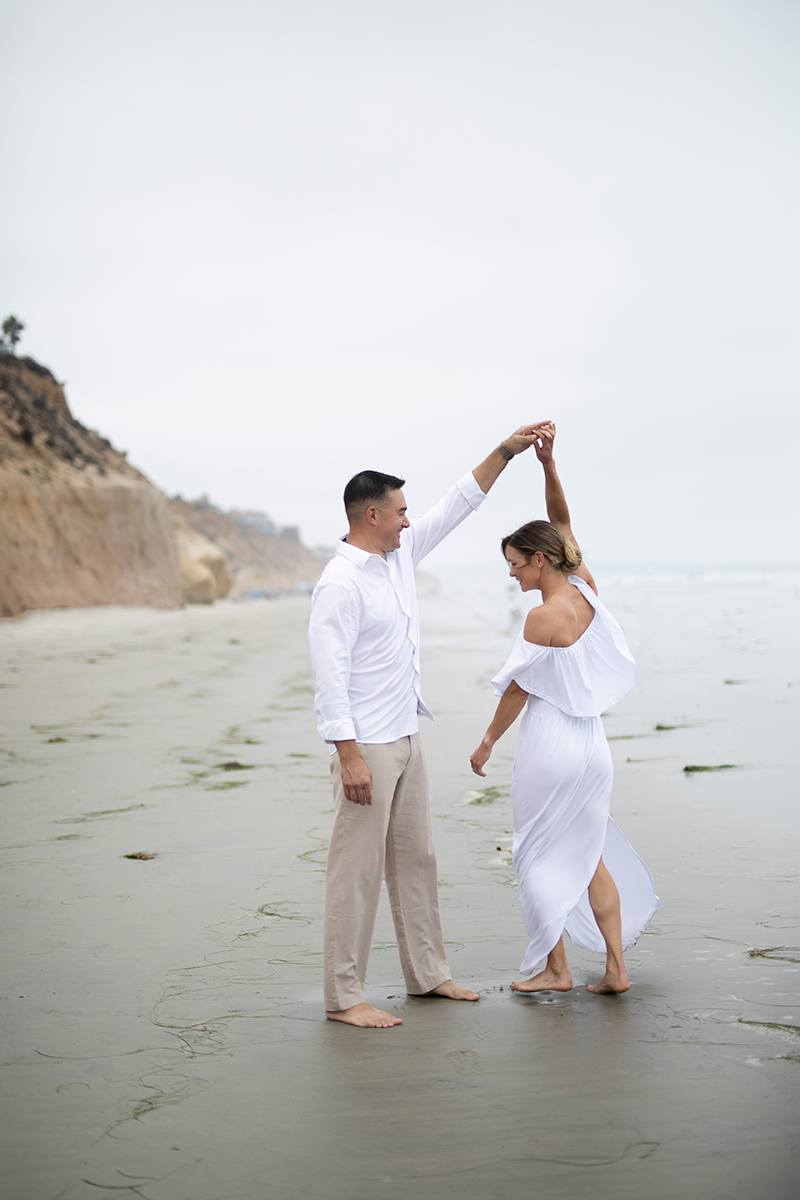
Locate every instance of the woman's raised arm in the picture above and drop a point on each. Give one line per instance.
(555, 500)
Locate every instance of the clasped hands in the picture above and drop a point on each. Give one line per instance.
(540, 435)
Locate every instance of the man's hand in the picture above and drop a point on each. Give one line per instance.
(356, 776)
(487, 473)
(526, 436)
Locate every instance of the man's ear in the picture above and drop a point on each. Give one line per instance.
(370, 514)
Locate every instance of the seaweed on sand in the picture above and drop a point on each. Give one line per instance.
(790, 954)
(98, 814)
(486, 795)
(698, 768)
(777, 1026)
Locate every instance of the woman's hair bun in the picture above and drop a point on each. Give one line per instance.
(572, 555)
(562, 553)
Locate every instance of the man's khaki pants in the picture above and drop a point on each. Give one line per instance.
(391, 837)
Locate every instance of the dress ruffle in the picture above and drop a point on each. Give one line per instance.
(583, 679)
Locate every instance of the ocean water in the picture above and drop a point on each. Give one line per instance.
(717, 651)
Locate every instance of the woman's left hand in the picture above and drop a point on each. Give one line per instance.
(544, 443)
(479, 758)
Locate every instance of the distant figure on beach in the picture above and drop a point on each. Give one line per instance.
(577, 871)
(365, 652)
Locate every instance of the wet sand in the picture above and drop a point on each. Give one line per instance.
(162, 1031)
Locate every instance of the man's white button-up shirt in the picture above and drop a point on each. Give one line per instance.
(364, 629)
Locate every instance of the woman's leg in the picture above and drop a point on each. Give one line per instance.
(554, 978)
(604, 899)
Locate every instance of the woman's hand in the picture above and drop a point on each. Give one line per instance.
(511, 704)
(543, 446)
(479, 758)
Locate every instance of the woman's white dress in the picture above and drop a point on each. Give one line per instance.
(561, 787)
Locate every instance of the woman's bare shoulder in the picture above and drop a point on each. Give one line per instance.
(540, 624)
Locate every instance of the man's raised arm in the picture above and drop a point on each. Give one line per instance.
(469, 493)
(489, 471)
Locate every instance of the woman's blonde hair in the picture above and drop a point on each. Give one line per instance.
(562, 553)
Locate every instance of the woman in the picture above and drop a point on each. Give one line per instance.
(577, 871)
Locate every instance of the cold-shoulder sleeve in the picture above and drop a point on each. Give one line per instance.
(520, 667)
(583, 679)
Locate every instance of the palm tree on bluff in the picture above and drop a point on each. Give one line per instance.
(12, 329)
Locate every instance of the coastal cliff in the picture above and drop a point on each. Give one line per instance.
(260, 557)
(80, 526)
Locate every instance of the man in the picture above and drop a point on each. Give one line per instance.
(364, 636)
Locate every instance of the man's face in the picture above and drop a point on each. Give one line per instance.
(391, 519)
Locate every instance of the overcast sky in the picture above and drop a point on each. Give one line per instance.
(269, 244)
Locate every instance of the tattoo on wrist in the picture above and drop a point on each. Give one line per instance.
(504, 452)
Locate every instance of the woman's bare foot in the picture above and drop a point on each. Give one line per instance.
(613, 983)
(453, 991)
(365, 1016)
(546, 981)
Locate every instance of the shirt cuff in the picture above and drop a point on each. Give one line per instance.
(338, 731)
(468, 486)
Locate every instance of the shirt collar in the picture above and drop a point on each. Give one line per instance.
(355, 554)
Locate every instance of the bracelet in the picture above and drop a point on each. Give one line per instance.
(504, 452)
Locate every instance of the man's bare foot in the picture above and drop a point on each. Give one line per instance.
(612, 984)
(365, 1016)
(545, 981)
(453, 991)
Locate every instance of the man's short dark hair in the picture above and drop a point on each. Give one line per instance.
(369, 486)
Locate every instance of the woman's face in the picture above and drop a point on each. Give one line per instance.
(526, 571)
